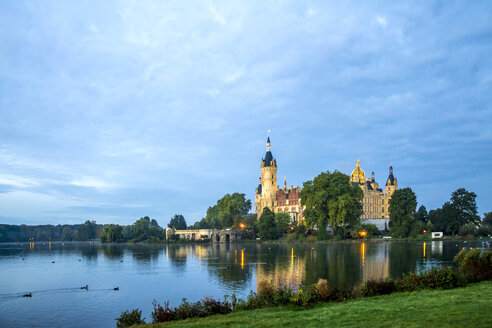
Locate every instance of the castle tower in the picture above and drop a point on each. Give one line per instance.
(268, 179)
(391, 183)
(266, 193)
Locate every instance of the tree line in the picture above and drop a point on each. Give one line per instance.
(330, 203)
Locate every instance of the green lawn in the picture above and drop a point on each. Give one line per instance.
(462, 307)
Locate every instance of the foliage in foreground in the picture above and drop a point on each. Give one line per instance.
(130, 318)
(474, 266)
(463, 307)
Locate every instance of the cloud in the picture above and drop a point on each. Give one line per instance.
(167, 101)
(381, 20)
(16, 181)
(95, 183)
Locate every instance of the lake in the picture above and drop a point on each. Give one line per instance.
(54, 273)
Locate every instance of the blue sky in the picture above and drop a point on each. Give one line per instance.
(113, 110)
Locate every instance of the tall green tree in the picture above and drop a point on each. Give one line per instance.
(465, 205)
(178, 222)
(402, 210)
(267, 227)
(232, 208)
(229, 212)
(459, 211)
(331, 199)
(422, 215)
(487, 218)
(86, 231)
(283, 222)
(111, 233)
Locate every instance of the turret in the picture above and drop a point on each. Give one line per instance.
(268, 178)
(391, 183)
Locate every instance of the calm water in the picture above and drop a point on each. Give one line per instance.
(144, 273)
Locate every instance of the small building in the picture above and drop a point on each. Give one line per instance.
(217, 236)
(437, 234)
(194, 234)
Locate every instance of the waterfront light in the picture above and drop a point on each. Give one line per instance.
(242, 225)
(362, 233)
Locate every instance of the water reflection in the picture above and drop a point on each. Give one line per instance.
(236, 266)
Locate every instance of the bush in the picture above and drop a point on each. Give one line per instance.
(130, 318)
(325, 290)
(375, 287)
(186, 310)
(475, 264)
(162, 314)
(442, 278)
(468, 229)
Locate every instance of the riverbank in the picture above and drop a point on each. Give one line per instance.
(461, 307)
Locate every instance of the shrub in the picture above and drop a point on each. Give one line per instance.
(467, 229)
(162, 314)
(265, 291)
(442, 278)
(373, 287)
(325, 290)
(130, 318)
(475, 264)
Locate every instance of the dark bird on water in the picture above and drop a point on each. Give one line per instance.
(27, 295)
(116, 288)
(52, 261)
(86, 287)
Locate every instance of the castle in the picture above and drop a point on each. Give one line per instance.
(268, 194)
(375, 202)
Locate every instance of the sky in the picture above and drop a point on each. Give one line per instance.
(114, 110)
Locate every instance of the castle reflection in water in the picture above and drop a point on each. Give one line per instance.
(292, 265)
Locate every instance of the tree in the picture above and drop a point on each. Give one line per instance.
(422, 215)
(331, 199)
(487, 218)
(140, 228)
(232, 208)
(178, 222)
(86, 231)
(460, 210)
(283, 222)
(465, 205)
(111, 233)
(267, 227)
(402, 207)
(229, 211)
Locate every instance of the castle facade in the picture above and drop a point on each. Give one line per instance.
(375, 202)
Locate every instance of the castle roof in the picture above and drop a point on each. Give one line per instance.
(358, 174)
(391, 178)
(268, 160)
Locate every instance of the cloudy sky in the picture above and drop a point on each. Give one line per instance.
(113, 110)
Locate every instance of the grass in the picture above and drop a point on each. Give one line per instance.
(462, 307)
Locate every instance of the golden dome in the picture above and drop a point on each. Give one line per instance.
(358, 174)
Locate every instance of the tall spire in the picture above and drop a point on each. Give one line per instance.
(268, 145)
